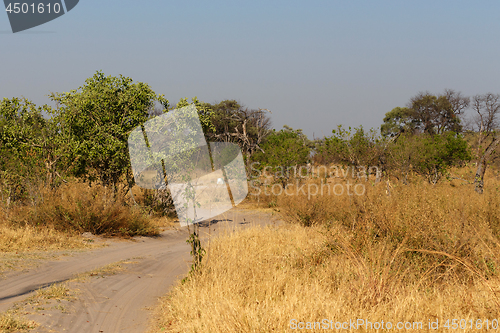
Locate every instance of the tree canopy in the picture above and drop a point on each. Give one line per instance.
(427, 113)
(95, 121)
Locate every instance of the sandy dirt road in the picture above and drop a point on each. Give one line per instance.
(121, 302)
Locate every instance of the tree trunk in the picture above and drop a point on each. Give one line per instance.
(481, 166)
(132, 195)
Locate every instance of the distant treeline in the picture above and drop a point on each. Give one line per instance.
(85, 136)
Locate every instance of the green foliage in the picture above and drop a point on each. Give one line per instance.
(205, 111)
(95, 122)
(434, 114)
(225, 119)
(246, 128)
(436, 154)
(398, 120)
(351, 146)
(282, 149)
(398, 156)
(197, 251)
(20, 122)
(406, 152)
(422, 136)
(28, 148)
(427, 155)
(427, 113)
(229, 118)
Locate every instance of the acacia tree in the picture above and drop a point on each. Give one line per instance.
(438, 114)
(487, 107)
(247, 128)
(95, 121)
(427, 113)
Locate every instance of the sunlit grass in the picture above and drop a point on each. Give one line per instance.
(409, 253)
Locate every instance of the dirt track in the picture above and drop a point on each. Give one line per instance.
(120, 302)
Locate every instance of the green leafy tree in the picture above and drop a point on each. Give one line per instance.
(427, 113)
(248, 128)
(434, 114)
(204, 109)
(428, 155)
(436, 154)
(95, 121)
(225, 121)
(351, 146)
(397, 121)
(29, 147)
(282, 151)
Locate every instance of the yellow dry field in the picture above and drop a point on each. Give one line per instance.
(405, 254)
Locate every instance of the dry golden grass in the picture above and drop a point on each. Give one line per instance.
(10, 322)
(29, 238)
(259, 280)
(421, 253)
(30, 232)
(100, 272)
(23, 247)
(54, 291)
(76, 208)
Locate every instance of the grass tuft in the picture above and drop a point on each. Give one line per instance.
(11, 323)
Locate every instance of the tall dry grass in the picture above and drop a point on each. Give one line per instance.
(56, 219)
(421, 253)
(14, 239)
(78, 208)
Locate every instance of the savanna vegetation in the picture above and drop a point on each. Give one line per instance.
(65, 169)
(425, 252)
(399, 224)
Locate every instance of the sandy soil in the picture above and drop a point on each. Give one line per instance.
(121, 302)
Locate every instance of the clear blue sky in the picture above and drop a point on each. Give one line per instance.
(314, 64)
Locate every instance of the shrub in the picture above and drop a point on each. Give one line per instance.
(79, 208)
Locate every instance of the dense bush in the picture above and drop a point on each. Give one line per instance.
(78, 208)
(350, 146)
(282, 150)
(428, 155)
